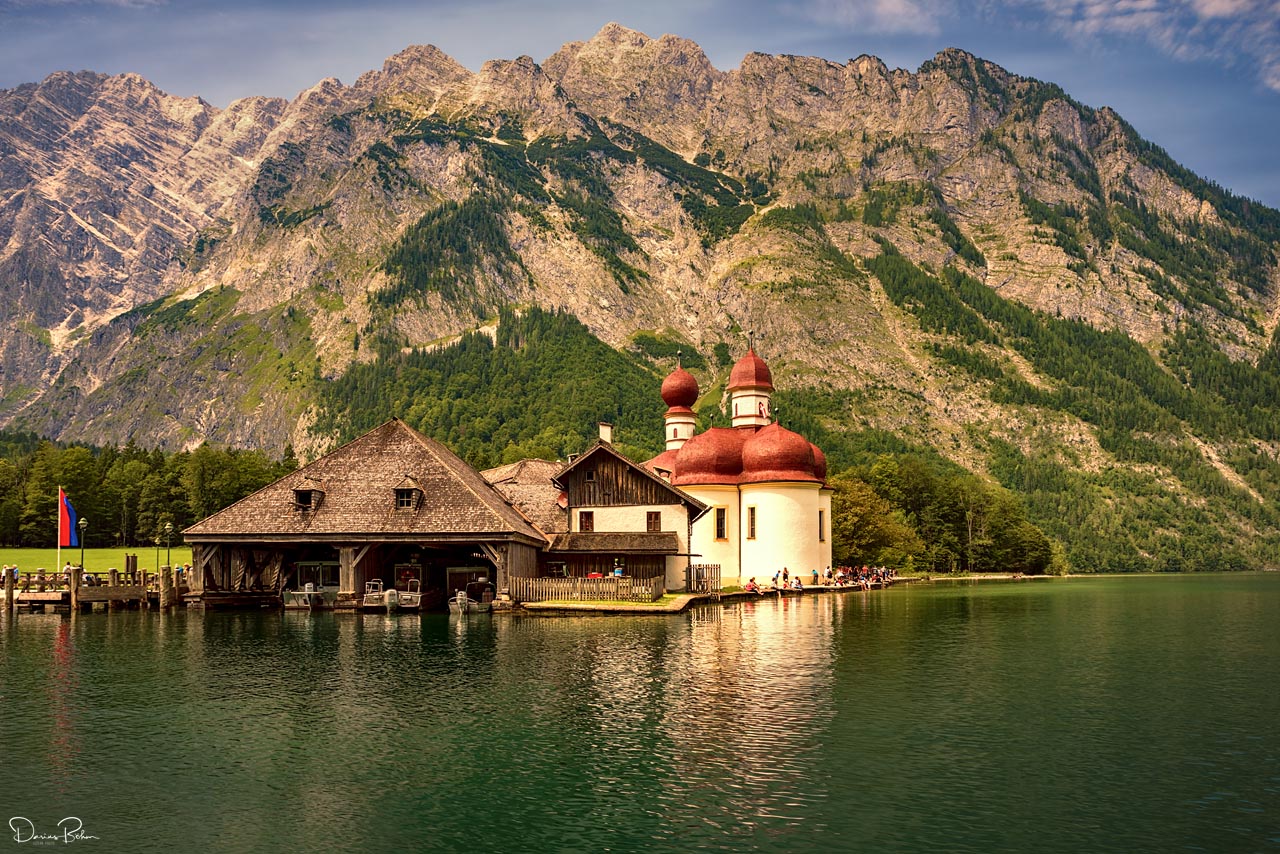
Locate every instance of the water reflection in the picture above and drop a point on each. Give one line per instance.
(864, 720)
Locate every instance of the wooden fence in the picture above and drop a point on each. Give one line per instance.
(703, 578)
(578, 589)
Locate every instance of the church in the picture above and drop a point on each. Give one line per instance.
(765, 485)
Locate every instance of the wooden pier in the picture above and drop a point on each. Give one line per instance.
(113, 590)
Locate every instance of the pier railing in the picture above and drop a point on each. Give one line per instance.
(42, 589)
(607, 589)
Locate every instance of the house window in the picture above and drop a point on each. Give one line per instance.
(653, 520)
(722, 524)
(586, 520)
(589, 475)
(751, 523)
(822, 526)
(406, 499)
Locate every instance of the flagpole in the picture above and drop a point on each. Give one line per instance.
(57, 564)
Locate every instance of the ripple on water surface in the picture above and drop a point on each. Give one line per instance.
(1126, 715)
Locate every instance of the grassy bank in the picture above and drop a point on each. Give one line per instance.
(96, 560)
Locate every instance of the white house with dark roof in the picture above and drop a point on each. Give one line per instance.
(622, 517)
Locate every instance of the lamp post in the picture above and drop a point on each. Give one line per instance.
(168, 534)
(82, 525)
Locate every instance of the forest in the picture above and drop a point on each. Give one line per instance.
(537, 388)
(127, 494)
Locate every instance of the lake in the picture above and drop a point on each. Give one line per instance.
(1111, 714)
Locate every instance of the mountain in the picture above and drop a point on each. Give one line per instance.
(956, 259)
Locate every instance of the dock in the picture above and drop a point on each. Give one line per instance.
(113, 590)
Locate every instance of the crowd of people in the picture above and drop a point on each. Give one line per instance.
(843, 576)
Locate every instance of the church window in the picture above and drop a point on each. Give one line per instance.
(822, 526)
(751, 523)
(722, 524)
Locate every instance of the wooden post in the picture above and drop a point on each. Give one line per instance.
(73, 584)
(8, 590)
(166, 588)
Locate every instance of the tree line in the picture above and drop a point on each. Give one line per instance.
(907, 512)
(126, 493)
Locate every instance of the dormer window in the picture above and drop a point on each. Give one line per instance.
(408, 494)
(308, 495)
(307, 500)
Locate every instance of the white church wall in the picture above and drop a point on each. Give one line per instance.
(786, 531)
(705, 544)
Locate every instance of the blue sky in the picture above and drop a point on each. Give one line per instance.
(1199, 77)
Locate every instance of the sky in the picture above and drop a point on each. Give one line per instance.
(1200, 78)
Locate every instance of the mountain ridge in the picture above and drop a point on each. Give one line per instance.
(173, 273)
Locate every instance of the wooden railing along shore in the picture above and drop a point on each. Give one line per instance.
(609, 588)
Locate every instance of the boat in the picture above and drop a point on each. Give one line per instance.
(378, 599)
(475, 598)
(411, 596)
(309, 597)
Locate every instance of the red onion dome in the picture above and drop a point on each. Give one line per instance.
(776, 453)
(750, 372)
(713, 456)
(819, 463)
(680, 389)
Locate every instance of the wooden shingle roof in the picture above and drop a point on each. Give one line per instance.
(360, 482)
(529, 485)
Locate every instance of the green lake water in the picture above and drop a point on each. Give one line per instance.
(1081, 715)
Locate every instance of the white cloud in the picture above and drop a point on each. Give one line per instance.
(1238, 33)
(877, 16)
(1234, 32)
(37, 5)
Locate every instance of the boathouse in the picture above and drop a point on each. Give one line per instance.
(392, 505)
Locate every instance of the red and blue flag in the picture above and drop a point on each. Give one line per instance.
(68, 535)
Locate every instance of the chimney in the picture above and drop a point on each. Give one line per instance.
(606, 432)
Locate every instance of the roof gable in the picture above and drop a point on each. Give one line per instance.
(604, 452)
(360, 482)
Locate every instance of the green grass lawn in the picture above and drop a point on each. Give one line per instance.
(96, 560)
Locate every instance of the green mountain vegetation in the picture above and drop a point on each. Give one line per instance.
(537, 389)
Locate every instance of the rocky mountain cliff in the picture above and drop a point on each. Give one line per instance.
(171, 272)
